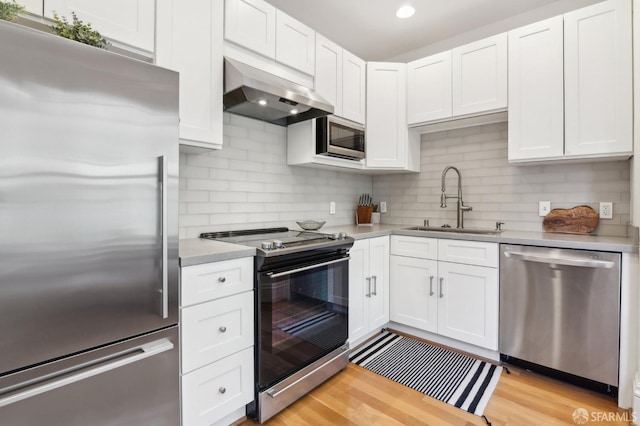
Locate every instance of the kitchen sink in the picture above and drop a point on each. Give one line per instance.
(455, 230)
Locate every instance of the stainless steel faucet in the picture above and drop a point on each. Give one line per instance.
(461, 208)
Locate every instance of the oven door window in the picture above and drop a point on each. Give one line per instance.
(302, 316)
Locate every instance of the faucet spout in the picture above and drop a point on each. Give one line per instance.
(461, 208)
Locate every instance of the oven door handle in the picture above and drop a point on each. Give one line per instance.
(306, 268)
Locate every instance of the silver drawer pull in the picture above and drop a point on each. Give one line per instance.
(223, 329)
(222, 279)
(441, 293)
(431, 285)
(222, 389)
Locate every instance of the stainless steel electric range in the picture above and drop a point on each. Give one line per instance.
(302, 312)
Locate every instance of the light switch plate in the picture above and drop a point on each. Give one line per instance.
(383, 206)
(332, 207)
(544, 207)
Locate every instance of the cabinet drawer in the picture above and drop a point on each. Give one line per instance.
(200, 283)
(210, 331)
(420, 247)
(217, 390)
(468, 252)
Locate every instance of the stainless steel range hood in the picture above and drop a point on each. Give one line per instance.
(257, 94)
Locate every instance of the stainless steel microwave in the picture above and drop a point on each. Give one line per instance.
(339, 138)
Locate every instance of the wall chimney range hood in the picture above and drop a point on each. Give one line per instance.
(254, 93)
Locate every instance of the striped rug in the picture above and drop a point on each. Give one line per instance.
(457, 379)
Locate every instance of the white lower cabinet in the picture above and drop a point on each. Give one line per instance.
(368, 286)
(457, 299)
(216, 341)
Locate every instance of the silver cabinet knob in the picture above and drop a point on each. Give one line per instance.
(222, 329)
(222, 389)
(222, 279)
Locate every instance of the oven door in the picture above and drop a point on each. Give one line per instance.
(302, 315)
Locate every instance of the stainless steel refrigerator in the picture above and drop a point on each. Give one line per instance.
(88, 235)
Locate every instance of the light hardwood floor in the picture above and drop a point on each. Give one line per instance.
(357, 396)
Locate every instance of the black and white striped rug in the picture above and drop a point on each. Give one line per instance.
(457, 379)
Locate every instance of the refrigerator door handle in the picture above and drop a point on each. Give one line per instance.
(165, 252)
(83, 371)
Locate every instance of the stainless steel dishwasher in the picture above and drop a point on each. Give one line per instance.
(560, 309)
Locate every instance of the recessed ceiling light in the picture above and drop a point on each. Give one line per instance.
(262, 102)
(405, 12)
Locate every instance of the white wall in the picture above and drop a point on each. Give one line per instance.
(248, 184)
(496, 189)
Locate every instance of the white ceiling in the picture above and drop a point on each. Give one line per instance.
(370, 29)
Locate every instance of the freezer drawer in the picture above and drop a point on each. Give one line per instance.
(560, 308)
(135, 382)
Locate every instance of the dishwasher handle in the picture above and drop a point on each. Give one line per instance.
(568, 261)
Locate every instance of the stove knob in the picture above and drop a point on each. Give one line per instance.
(343, 235)
(277, 244)
(335, 236)
(266, 245)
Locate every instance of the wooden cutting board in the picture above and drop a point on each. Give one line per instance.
(578, 220)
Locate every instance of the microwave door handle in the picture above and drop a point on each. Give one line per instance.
(306, 268)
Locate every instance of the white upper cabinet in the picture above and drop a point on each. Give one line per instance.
(429, 88)
(190, 41)
(251, 24)
(328, 79)
(389, 144)
(259, 28)
(130, 22)
(353, 87)
(536, 87)
(570, 86)
(340, 79)
(295, 44)
(480, 76)
(598, 80)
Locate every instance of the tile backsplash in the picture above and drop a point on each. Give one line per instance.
(497, 190)
(248, 184)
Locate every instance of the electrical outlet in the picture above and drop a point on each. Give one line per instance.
(606, 210)
(332, 207)
(383, 206)
(544, 207)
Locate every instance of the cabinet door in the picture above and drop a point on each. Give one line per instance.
(429, 88)
(295, 44)
(328, 78)
(217, 390)
(413, 299)
(131, 22)
(251, 24)
(598, 79)
(359, 291)
(387, 137)
(190, 42)
(468, 304)
(536, 91)
(379, 274)
(353, 87)
(480, 76)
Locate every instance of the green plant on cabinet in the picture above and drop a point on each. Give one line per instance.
(78, 31)
(9, 10)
